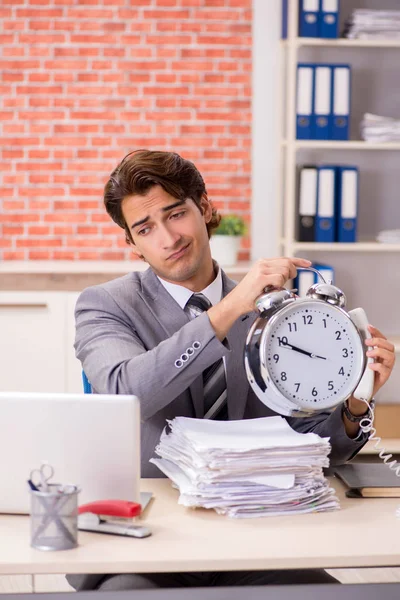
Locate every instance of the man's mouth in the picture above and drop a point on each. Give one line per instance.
(179, 253)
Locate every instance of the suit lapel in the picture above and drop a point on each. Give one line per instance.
(171, 317)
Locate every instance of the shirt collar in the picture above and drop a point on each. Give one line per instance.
(182, 294)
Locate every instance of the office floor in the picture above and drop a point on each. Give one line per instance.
(57, 583)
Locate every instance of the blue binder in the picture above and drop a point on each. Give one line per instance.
(309, 18)
(327, 272)
(323, 98)
(329, 19)
(303, 281)
(304, 100)
(325, 229)
(347, 203)
(341, 102)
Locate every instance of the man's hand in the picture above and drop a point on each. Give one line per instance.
(266, 271)
(383, 352)
(242, 299)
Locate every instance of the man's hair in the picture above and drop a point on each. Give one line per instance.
(141, 170)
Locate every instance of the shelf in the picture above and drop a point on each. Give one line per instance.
(341, 42)
(342, 247)
(349, 145)
(90, 266)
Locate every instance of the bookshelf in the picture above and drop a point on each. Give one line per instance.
(366, 258)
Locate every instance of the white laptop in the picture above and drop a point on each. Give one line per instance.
(91, 440)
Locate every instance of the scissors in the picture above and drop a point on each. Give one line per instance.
(45, 473)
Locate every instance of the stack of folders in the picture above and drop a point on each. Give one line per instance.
(373, 24)
(319, 18)
(328, 203)
(377, 129)
(323, 101)
(305, 279)
(248, 468)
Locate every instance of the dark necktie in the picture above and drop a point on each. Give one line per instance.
(214, 381)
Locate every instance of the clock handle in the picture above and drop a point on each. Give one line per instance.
(366, 385)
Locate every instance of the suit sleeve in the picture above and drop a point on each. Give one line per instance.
(116, 361)
(331, 425)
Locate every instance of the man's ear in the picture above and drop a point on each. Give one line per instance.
(206, 208)
(137, 253)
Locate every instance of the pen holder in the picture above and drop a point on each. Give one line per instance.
(54, 518)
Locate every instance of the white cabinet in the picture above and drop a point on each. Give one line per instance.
(32, 343)
(37, 331)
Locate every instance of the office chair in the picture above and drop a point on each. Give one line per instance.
(87, 388)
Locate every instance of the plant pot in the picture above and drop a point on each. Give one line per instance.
(224, 249)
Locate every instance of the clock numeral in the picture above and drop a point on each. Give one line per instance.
(324, 320)
(345, 353)
(283, 376)
(276, 357)
(330, 385)
(314, 392)
(282, 341)
(297, 386)
(338, 335)
(341, 371)
(292, 327)
(307, 319)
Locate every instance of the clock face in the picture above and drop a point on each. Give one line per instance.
(313, 353)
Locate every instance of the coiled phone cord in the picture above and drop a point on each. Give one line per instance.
(367, 426)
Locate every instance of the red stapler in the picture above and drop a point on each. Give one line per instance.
(113, 517)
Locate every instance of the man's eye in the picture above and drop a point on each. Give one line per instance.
(143, 231)
(179, 214)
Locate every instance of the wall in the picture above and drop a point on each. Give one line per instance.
(83, 83)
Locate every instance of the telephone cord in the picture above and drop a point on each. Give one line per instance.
(367, 426)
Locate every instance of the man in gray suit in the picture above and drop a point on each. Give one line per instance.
(174, 335)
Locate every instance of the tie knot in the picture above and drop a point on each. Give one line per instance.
(199, 302)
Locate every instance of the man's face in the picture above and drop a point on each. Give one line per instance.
(169, 234)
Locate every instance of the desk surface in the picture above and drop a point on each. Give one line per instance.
(364, 533)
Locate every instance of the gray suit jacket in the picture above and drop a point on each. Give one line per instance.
(129, 333)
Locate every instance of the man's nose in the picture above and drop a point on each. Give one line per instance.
(169, 237)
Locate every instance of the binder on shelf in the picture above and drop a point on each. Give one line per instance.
(307, 203)
(325, 229)
(304, 100)
(284, 19)
(303, 281)
(327, 272)
(322, 114)
(309, 18)
(347, 203)
(341, 102)
(329, 19)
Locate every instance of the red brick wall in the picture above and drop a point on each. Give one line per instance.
(83, 82)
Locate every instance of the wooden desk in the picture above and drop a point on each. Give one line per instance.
(364, 533)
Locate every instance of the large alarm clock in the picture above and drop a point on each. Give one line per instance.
(306, 355)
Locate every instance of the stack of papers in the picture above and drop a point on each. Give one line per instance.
(373, 24)
(378, 129)
(389, 236)
(248, 468)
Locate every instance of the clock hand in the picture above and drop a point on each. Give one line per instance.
(296, 349)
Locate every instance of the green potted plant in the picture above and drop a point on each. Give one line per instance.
(225, 241)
